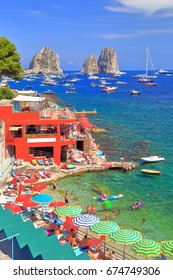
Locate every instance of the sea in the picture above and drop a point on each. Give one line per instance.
(137, 126)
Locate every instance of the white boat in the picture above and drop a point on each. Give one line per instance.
(134, 92)
(162, 71)
(148, 60)
(92, 77)
(121, 83)
(153, 158)
(109, 89)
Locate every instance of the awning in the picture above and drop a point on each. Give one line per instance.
(15, 128)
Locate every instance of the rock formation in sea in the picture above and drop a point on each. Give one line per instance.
(107, 62)
(90, 65)
(46, 61)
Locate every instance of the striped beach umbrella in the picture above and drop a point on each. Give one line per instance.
(69, 211)
(147, 248)
(126, 237)
(167, 248)
(85, 221)
(104, 227)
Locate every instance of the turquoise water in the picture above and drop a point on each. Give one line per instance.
(136, 126)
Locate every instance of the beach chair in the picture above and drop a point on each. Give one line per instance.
(50, 161)
(42, 174)
(40, 162)
(34, 162)
(46, 162)
(48, 174)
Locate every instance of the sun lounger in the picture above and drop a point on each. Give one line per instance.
(40, 162)
(49, 232)
(34, 162)
(46, 162)
(50, 161)
(79, 251)
(63, 242)
(42, 174)
(70, 166)
(48, 174)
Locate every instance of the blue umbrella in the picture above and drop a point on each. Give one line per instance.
(42, 198)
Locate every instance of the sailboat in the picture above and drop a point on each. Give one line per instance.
(146, 75)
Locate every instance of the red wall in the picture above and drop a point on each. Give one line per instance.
(32, 118)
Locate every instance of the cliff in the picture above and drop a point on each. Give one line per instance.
(106, 64)
(46, 61)
(90, 65)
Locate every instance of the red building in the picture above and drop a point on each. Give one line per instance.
(36, 130)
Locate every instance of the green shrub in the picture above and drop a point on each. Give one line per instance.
(6, 93)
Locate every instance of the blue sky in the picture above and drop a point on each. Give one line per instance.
(75, 29)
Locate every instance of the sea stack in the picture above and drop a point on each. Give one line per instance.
(107, 62)
(46, 62)
(90, 65)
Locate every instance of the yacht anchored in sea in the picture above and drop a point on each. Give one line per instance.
(149, 61)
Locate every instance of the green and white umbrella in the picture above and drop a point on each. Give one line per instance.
(147, 248)
(69, 211)
(167, 248)
(126, 237)
(104, 228)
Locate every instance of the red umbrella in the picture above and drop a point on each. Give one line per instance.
(23, 197)
(14, 208)
(20, 188)
(14, 181)
(68, 224)
(29, 203)
(39, 188)
(57, 204)
(30, 180)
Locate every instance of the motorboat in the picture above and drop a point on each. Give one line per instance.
(109, 89)
(144, 80)
(162, 71)
(153, 158)
(151, 84)
(49, 91)
(121, 83)
(135, 92)
(150, 172)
